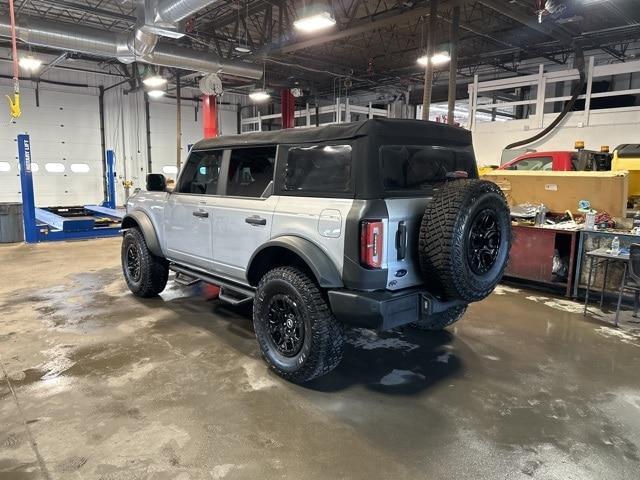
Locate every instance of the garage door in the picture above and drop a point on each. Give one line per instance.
(66, 149)
(163, 135)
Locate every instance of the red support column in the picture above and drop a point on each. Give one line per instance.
(288, 108)
(210, 116)
(210, 127)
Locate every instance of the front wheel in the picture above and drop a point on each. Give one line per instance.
(298, 335)
(441, 320)
(145, 273)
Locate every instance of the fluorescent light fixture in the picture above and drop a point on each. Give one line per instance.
(156, 93)
(423, 60)
(30, 63)
(259, 95)
(316, 22)
(437, 59)
(154, 81)
(242, 49)
(440, 58)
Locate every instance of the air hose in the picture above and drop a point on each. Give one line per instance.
(14, 102)
(577, 91)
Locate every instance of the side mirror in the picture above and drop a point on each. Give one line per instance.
(156, 182)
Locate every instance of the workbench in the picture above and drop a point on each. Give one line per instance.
(532, 251)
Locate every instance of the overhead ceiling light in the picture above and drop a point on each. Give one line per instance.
(156, 93)
(316, 22)
(259, 95)
(437, 59)
(30, 63)
(242, 49)
(440, 58)
(154, 81)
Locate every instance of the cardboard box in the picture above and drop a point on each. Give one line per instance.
(561, 191)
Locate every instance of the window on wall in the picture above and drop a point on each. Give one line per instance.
(201, 173)
(5, 166)
(54, 167)
(170, 170)
(80, 167)
(34, 167)
(251, 171)
(319, 168)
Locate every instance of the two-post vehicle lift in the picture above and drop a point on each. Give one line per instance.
(66, 223)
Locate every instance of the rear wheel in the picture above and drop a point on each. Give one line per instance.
(145, 273)
(441, 320)
(298, 335)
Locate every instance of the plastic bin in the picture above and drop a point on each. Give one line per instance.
(11, 228)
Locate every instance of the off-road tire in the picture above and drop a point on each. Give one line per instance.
(445, 238)
(322, 345)
(441, 320)
(154, 270)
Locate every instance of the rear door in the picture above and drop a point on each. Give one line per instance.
(243, 215)
(189, 211)
(409, 175)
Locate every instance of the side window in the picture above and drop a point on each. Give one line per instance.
(535, 163)
(326, 168)
(251, 171)
(201, 173)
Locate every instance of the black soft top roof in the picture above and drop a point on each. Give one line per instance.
(387, 127)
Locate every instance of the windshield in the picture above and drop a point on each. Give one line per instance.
(408, 168)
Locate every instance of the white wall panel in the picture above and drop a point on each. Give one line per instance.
(606, 127)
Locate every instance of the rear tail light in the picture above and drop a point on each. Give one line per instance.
(371, 234)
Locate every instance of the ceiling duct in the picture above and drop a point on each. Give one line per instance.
(158, 18)
(174, 11)
(101, 43)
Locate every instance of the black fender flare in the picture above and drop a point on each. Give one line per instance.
(318, 262)
(143, 222)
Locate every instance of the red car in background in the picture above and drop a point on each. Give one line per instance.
(561, 161)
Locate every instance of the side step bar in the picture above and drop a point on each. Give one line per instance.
(237, 293)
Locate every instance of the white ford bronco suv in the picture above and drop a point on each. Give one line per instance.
(376, 224)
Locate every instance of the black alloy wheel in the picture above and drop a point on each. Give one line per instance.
(286, 326)
(483, 242)
(133, 263)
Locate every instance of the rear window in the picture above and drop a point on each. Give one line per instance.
(325, 168)
(407, 168)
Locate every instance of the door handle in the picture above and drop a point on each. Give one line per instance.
(255, 220)
(200, 214)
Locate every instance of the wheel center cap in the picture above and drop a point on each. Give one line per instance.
(289, 323)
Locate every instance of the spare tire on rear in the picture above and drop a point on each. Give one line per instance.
(465, 237)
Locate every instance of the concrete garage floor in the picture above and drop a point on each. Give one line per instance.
(97, 384)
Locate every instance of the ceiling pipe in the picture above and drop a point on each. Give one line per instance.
(101, 43)
(174, 11)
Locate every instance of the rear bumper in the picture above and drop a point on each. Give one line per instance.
(383, 310)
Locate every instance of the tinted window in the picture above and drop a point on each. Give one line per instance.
(250, 171)
(201, 173)
(406, 167)
(535, 163)
(319, 168)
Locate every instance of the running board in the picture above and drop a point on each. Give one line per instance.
(185, 280)
(241, 293)
(233, 299)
